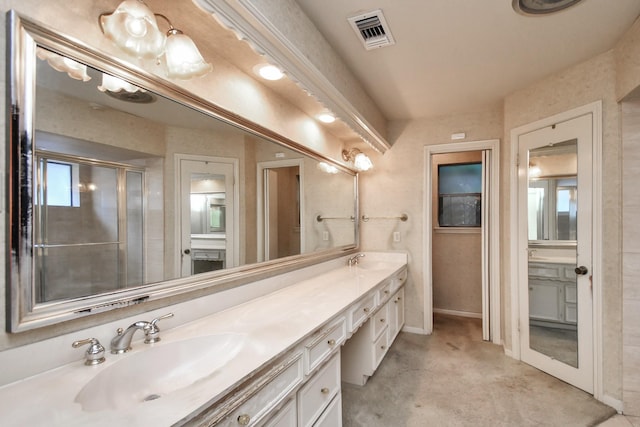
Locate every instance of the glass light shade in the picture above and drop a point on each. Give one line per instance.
(183, 58)
(133, 28)
(74, 69)
(362, 162)
(114, 84)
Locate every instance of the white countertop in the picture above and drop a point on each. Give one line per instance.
(272, 324)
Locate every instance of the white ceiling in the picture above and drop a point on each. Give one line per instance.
(462, 55)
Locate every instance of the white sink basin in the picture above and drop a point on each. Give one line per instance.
(158, 371)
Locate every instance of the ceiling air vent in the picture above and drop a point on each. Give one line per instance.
(372, 29)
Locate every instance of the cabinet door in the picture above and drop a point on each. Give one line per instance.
(396, 314)
(286, 417)
(545, 301)
(332, 416)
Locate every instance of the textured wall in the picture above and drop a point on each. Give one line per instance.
(631, 256)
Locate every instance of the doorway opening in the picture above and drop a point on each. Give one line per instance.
(281, 230)
(466, 219)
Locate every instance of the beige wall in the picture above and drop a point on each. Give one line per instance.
(631, 256)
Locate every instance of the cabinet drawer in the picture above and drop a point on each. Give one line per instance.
(384, 293)
(399, 280)
(380, 347)
(316, 394)
(321, 347)
(332, 416)
(380, 321)
(360, 313)
(268, 395)
(286, 417)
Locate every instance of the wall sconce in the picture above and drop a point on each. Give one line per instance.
(74, 69)
(134, 29)
(360, 160)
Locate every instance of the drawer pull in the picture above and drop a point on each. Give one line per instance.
(244, 419)
(382, 320)
(382, 347)
(366, 309)
(324, 390)
(386, 291)
(331, 342)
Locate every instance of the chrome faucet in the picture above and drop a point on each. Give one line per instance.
(354, 259)
(122, 342)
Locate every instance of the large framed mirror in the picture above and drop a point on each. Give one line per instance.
(124, 188)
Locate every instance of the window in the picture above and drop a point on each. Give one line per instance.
(61, 180)
(460, 195)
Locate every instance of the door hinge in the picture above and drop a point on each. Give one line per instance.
(517, 160)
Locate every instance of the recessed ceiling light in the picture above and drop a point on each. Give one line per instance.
(326, 117)
(541, 7)
(269, 72)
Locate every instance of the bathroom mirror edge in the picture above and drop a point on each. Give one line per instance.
(23, 36)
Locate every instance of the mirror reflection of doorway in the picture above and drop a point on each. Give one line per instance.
(207, 210)
(279, 218)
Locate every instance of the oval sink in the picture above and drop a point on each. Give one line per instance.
(158, 371)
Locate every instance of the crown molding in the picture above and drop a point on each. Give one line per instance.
(251, 25)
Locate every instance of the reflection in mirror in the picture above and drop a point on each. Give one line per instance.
(552, 226)
(132, 188)
(553, 192)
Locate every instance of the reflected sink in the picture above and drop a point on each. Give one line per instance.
(158, 371)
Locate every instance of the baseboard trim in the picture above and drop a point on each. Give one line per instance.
(414, 330)
(613, 402)
(458, 313)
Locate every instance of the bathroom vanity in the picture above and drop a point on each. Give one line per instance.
(270, 361)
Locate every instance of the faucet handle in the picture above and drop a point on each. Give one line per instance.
(94, 354)
(152, 332)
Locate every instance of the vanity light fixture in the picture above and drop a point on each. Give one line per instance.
(268, 71)
(360, 160)
(74, 69)
(134, 29)
(326, 117)
(124, 91)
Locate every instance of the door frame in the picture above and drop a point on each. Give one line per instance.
(177, 189)
(492, 288)
(595, 109)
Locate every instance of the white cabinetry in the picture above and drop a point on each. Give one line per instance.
(364, 351)
(318, 393)
(552, 294)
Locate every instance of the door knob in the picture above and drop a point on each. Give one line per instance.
(187, 251)
(582, 270)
